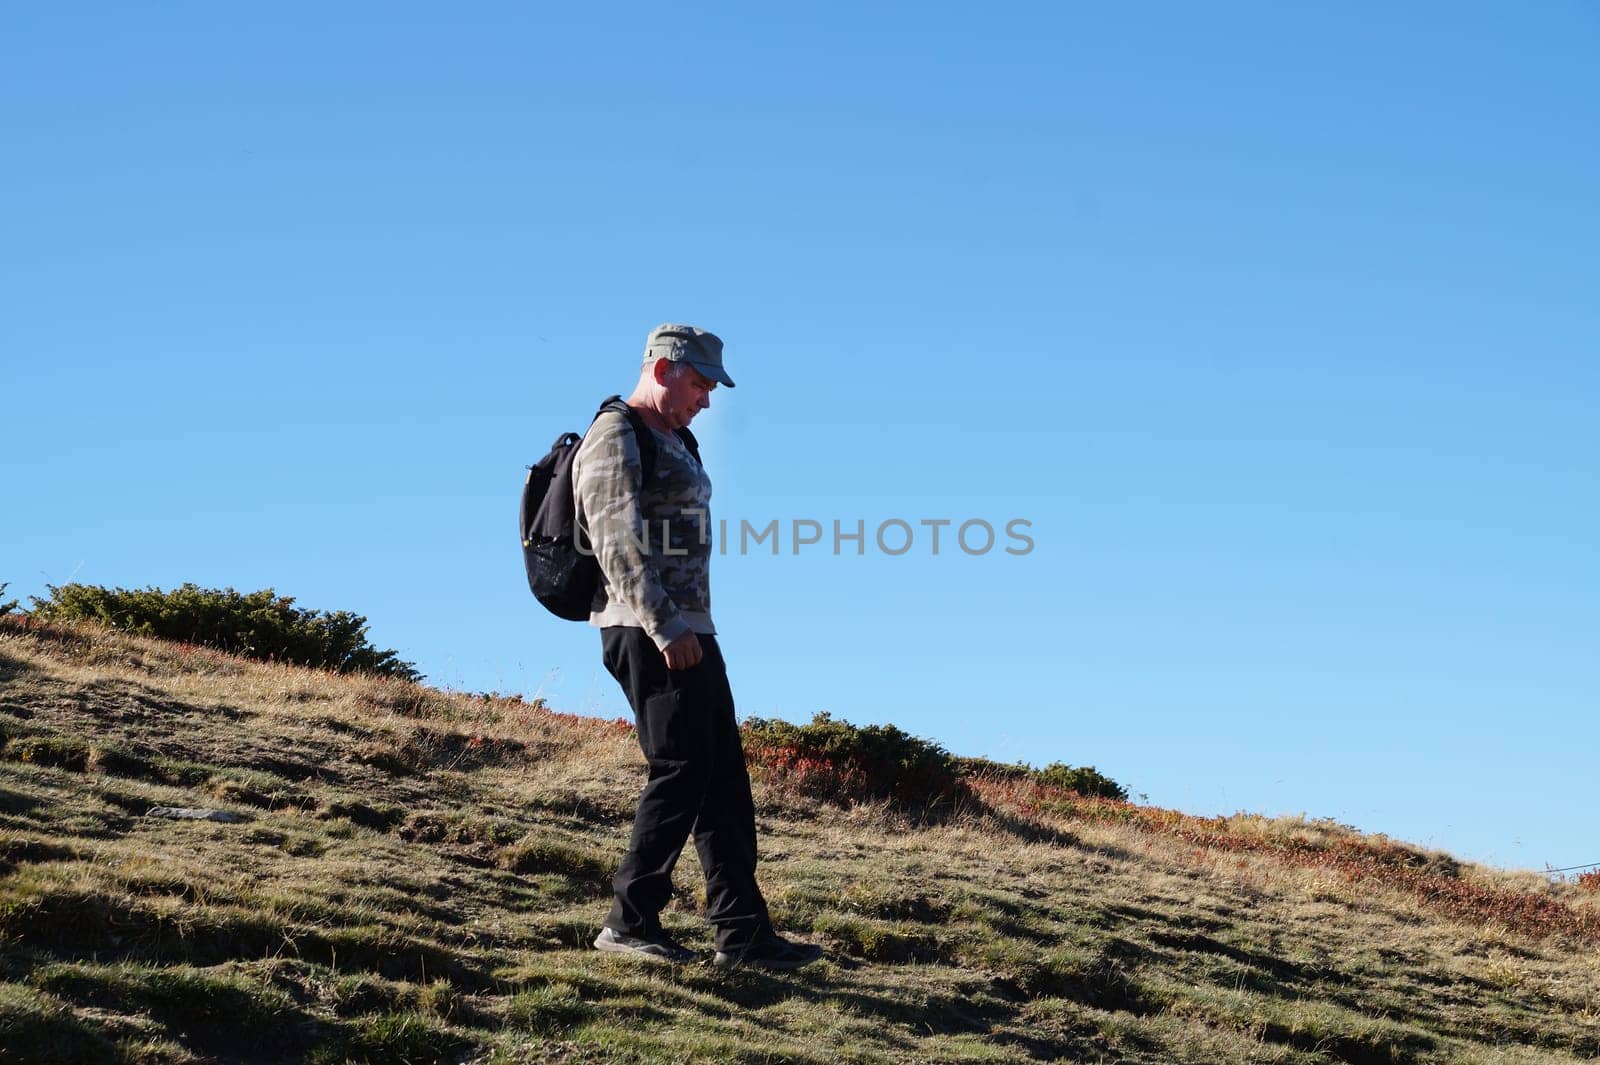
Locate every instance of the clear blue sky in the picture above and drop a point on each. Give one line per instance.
(1278, 322)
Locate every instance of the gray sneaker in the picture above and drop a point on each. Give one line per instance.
(659, 947)
(771, 951)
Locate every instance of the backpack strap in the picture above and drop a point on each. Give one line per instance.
(691, 443)
(641, 433)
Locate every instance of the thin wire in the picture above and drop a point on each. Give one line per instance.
(1571, 868)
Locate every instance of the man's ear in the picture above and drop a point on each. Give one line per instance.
(659, 370)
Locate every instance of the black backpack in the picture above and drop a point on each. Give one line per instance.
(560, 576)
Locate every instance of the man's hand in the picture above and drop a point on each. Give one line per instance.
(683, 652)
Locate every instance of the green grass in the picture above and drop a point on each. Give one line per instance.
(419, 876)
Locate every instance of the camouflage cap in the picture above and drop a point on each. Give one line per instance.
(686, 343)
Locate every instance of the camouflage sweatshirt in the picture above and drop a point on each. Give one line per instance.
(653, 541)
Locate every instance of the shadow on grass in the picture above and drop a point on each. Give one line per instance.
(11, 667)
(1194, 942)
(1375, 1048)
(73, 925)
(18, 804)
(40, 1030)
(42, 632)
(233, 1018)
(981, 1006)
(15, 851)
(209, 1014)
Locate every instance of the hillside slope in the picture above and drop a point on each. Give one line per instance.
(413, 876)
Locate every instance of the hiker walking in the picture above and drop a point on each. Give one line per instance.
(644, 506)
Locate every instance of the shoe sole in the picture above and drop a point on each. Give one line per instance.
(645, 955)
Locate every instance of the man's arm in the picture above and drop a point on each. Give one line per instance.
(608, 485)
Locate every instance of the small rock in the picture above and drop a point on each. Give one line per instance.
(189, 813)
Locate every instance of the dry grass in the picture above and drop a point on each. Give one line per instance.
(418, 873)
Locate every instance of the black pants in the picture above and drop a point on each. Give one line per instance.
(698, 784)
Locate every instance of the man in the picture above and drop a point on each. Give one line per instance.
(653, 543)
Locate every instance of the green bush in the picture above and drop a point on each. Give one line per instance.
(1086, 780)
(259, 624)
(6, 605)
(835, 759)
(842, 762)
(988, 769)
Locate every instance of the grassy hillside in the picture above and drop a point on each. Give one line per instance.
(414, 876)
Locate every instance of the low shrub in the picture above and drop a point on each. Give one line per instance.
(836, 760)
(840, 762)
(1084, 779)
(6, 605)
(988, 769)
(261, 624)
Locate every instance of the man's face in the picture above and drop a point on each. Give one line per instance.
(687, 393)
